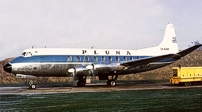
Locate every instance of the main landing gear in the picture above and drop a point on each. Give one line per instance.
(82, 81)
(112, 81)
(32, 85)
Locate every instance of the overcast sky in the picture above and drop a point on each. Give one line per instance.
(120, 24)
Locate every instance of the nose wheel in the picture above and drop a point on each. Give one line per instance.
(32, 85)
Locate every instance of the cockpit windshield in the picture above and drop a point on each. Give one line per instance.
(26, 54)
(23, 54)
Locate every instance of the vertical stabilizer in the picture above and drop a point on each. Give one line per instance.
(169, 43)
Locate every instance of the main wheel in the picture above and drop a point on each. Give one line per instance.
(33, 86)
(113, 83)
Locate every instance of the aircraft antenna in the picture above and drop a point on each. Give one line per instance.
(92, 47)
(33, 46)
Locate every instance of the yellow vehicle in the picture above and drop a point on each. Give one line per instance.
(186, 75)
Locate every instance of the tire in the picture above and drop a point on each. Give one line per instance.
(33, 86)
(113, 83)
(187, 83)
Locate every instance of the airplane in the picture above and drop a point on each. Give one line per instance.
(80, 63)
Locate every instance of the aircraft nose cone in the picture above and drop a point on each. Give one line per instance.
(7, 68)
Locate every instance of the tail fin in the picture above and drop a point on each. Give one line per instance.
(169, 43)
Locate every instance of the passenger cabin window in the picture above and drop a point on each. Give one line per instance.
(117, 59)
(124, 58)
(103, 58)
(86, 58)
(78, 58)
(69, 58)
(95, 59)
(110, 58)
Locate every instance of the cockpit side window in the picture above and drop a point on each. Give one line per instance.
(27, 54)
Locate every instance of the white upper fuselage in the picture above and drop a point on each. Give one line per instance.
(154, 51)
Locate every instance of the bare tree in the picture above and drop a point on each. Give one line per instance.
(195, 43)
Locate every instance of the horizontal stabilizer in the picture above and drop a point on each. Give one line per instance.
(189, 50)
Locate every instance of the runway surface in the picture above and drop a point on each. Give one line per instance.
(98, 87)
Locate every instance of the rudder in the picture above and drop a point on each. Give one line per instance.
(169, 43)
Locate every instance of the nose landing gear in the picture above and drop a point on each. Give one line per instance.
(32, 85)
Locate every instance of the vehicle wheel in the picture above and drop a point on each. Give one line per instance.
(113, 83)
(187, 83)
(33, 86)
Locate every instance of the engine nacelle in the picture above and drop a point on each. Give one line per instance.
(88, 70)
(79, 71)
(24, 76)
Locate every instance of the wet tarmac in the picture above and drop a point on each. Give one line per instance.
(98, 87)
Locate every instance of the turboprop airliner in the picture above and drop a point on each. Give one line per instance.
(107, 64)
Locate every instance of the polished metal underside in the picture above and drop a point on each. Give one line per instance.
(61, 70)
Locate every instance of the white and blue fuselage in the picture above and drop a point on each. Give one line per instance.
(57, 61)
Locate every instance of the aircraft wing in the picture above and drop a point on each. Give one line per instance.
(161, 57)
(149, 60)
